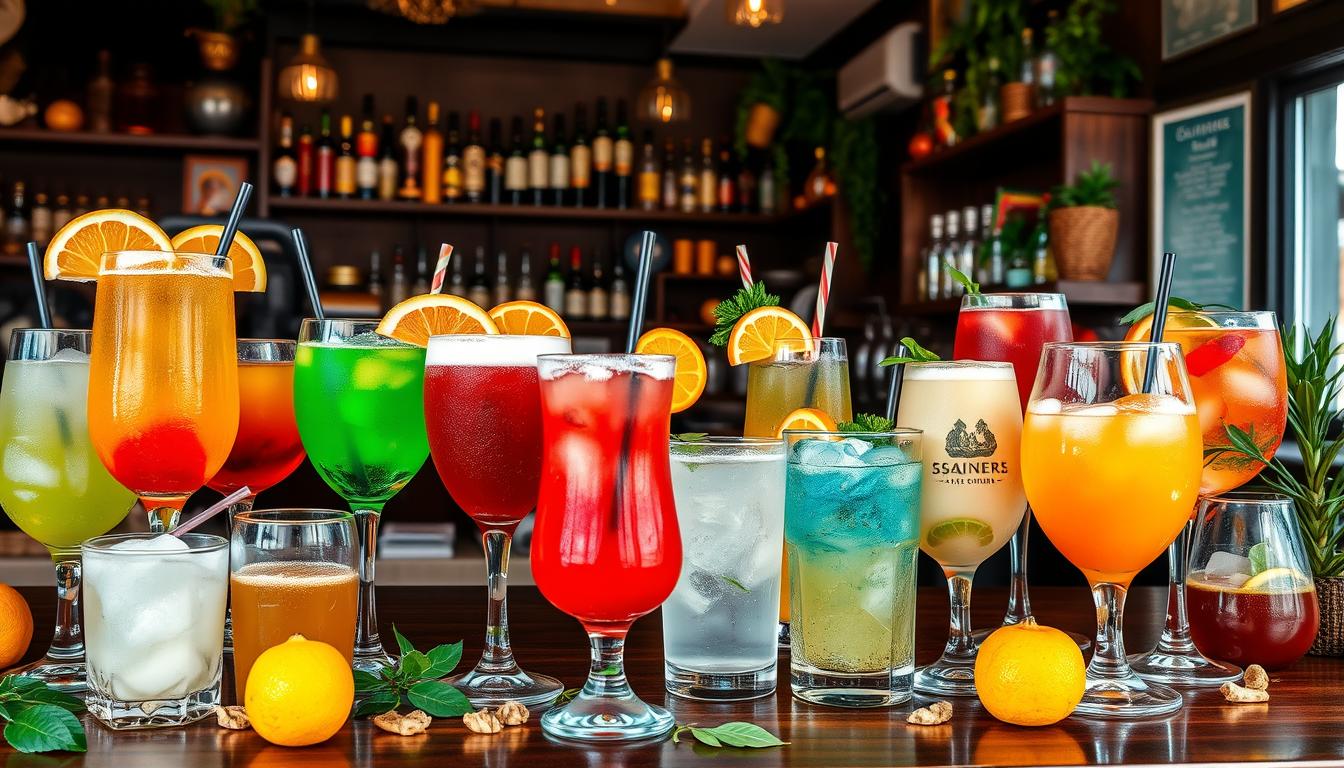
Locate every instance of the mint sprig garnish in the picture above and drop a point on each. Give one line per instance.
(736, 734)
(414, 679)
(38, 718)
(914, 354)
(566, 696)
(972, 287)
(867, 422)
(1144, 310)
(734, 582)
(731, 309)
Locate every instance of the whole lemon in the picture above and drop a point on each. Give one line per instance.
(1026, 674)
(16, 626)
(299, 692)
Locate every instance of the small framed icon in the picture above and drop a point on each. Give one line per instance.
(209, 183)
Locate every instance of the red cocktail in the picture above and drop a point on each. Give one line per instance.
(1269, 628)
(606, 549)
(267, 448)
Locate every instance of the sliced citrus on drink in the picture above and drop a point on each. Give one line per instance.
(434, 314)
(249, 269)
(76, 252)
(762, 331)
(1134, 364)
(807, 418)
(528, 318)
(1277, 580)
(978, 531)
(691, 370)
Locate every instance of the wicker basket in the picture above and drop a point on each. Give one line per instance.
(1014, 101)
(1330, 637)
(1083, 239)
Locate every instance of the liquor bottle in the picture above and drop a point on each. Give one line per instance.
(602, 155)
(987, 112)
(576, 295)
(580, 159)
(453, 176)
(345, 160)
(1040, 249)
(768, 192)
(515, 167)
(933, 267)
(970, 243)
(478, 292)
(1047, 68)
(944, 131)
(81, 205)
(457, 283)
(553, 292)
(948, 257)
(1027, 73)
(304, 183)
(525, 290)
(746, 184)
(102, 201)
(41, 219)
(559, 171)
(325, 152)
(410, 140)
(101, 92)
(623, 156)
(538, 160)
(142, 206)
(375, 285)
(992, 248)
(670, 188)
(726, 199)
(285, 169)
(494, 165)
(62, 214)
(387, 164)
(473, 160)
(619, 293)
(366, 149)
(420, 285)
(708, 188)
(431, 157)
(399, 287)
(819, 183)
(502, 291)
(687, 179)
(648, 176)
(18, 224)
(123, 200)
(599, 305)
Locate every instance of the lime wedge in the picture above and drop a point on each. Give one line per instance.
(1278, 580)
(959, 527)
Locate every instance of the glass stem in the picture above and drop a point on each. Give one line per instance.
(1176, 633)
(67, 642)
(164, 517)
(498, 655)
(606, 675)
(1019, 603)
(1108, 658)
(367, 641)
(960, 644)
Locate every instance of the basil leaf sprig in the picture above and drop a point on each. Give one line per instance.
(415, 678)
(914, 353)
(736, 734)
(38, 718)
(1144, 310)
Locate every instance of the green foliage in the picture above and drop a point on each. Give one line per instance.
(1088, 66)
(38, 718)
(987, 50)
(1146, 309)
(866, 422)
(728, 311)
(1095, 186)
(414, 678)
(729, 735)
(231, 14)
(914, 354)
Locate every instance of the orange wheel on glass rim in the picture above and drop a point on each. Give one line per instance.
(249, 268)
(760, 332)
(1136, 363)
(76, 251)
(528, 318)
(807, 418)
(691, 371)
(434, 314)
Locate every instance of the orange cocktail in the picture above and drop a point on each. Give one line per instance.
(267, 448)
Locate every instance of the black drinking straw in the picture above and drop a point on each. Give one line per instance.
(641, 290)
(306, 271)
(235, 214)
(1159, 316)
(39, 287)
(894, 389)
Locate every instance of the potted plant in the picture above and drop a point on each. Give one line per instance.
(1083, 221)
(988, 47)
(1087, 65)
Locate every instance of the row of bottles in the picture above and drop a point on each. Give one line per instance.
(26, 216)
(971, 241)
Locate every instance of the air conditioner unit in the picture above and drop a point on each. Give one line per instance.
(887, 75)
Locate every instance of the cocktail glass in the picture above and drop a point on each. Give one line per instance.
(606, 548)
(154, 611)
(358, 399)
(851, 526)
(1236, 368)
(719, 625)
(483, 414)
(294, 571)
(971, 498)
(1012, 328)
(1111, 459)
(793, 379)
(163, 375)
(1250, 591)
(52, 485)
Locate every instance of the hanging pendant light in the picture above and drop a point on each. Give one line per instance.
(308, 76)
(755, 13)
(662, 99)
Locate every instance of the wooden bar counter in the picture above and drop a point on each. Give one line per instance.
(1302, 724)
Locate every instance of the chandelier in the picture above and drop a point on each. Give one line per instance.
(755, 13)
(421, 11)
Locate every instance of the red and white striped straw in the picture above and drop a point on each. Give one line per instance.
(824, 289)
(441, 269)
(744, 266)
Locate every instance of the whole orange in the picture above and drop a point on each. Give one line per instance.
(1027, 674)
(64, 115)
(299, 692)
(16, 626)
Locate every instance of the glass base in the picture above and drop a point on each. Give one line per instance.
(1124, 697)
(1083, 642)
(491, 689)
(66, 676)
(720, 686)
(851, 689)
(125, 715)
(607, 719)
(372, 661)
(947, 677)
(1184, 669)
(783, 634)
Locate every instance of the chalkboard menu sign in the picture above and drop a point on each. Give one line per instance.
(1201, 198)
(1191, 24)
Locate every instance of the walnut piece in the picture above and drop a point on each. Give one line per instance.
(512, 713)
(1240, 695)
(936, 713)
(482, 722)
(233, 718)
(1256, 678)
(409, 724)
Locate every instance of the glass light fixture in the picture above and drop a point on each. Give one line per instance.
(755, 13)
(662, 99)
(308, 76)
(428, 11)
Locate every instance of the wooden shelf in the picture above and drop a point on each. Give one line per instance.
(152, 141)
(538, 212)
(1079, 293)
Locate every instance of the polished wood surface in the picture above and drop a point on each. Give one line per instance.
(1299, 725)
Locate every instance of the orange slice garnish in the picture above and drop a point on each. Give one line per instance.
(434, 314)
(807, 418)
(76, 252)
(762, 331)
(528, 318)
(691, 372)
(249, 269)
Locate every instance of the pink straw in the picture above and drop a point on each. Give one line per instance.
(744, 266)
(441, 268)
(824, 289)
(212, 510)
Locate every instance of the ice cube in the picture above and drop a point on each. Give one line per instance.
(26, 469)
(1105, 409)
(1224, 564)
(596, 372)
(705, 588)
(832, 453)
(162, 543)
(1047, 407)
(886, 456)
(1248, 388)
(158, 671)
(70, 356)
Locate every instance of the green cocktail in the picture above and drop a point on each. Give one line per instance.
(358, 399)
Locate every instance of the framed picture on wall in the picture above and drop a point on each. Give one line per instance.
(1188, 25)
(210, 183)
